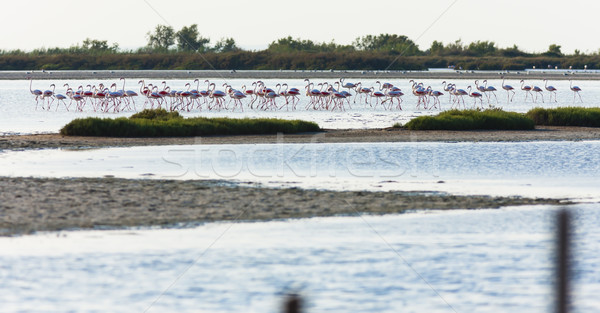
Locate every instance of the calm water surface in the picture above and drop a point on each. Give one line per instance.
(459, 261)
(463, 261)
(558, 169)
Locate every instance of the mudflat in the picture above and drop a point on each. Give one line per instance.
(30, 205)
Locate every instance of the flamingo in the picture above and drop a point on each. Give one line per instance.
(537, 90)
(489, 89)
(508, 89)
(448, 89)
(550, 89)
(436, 94)
(237, 97)
(36, 92)
(49, 94)
(61, 98)
(480, 88)
(575, 90)
(459, 93)
(377, 94)
(527, 89)
(270, 96)
(362, 91)
(420, 92)
(129, 93)
(217, 96)
(475, 95)
(78, 97)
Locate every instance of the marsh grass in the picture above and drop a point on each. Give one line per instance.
(566, 116)
(160, 123)
(491, 119)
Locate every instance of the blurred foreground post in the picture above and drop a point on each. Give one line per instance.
(563, 260)
(292, 304)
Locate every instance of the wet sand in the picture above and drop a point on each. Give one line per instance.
(545, 133)
(30, 205)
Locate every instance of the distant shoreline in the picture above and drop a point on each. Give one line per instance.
(299, 74)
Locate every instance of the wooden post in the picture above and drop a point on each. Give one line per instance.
(292, 304)
(563, 262)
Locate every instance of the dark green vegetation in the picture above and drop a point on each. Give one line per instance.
(160, 123)
(567, 116)
(187, 49)
(492, 119)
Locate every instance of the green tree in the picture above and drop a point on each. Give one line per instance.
(189, 39)
(437, 48)
(162, 38)
(288, 44)
(554, 51)
(481, 48)
(99, 46)
(226, 45)
(455, 48)
(388, 43)
(512, 52)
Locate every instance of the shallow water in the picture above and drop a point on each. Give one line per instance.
(20, 114)
(555, 169)
(463, 261)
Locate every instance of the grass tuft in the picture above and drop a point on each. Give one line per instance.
(160, 123)
(566, 116)
(491, 119)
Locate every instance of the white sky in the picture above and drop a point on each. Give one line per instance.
(532, 25)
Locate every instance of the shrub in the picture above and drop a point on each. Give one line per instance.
(156, 114)
(567, 116)
(492, 119)
(159, 123)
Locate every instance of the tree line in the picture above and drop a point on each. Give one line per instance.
(188, 49)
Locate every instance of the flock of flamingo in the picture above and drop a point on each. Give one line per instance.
(321, 96)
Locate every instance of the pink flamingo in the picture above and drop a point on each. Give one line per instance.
(475, 95)
(237, 97)
(420, 92)
(377, 94)
(349, 86)
(538, 91)
(489, 89)
(436, 97)
(448, 89)
(79, 99)
(36, 92)
(49, 94)
(270, 96)
(217, 96)
(61, 98)
(527, 89)
(508, 89)
(575, 90)
(551, 89)
(363, 91)
(458, 93)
